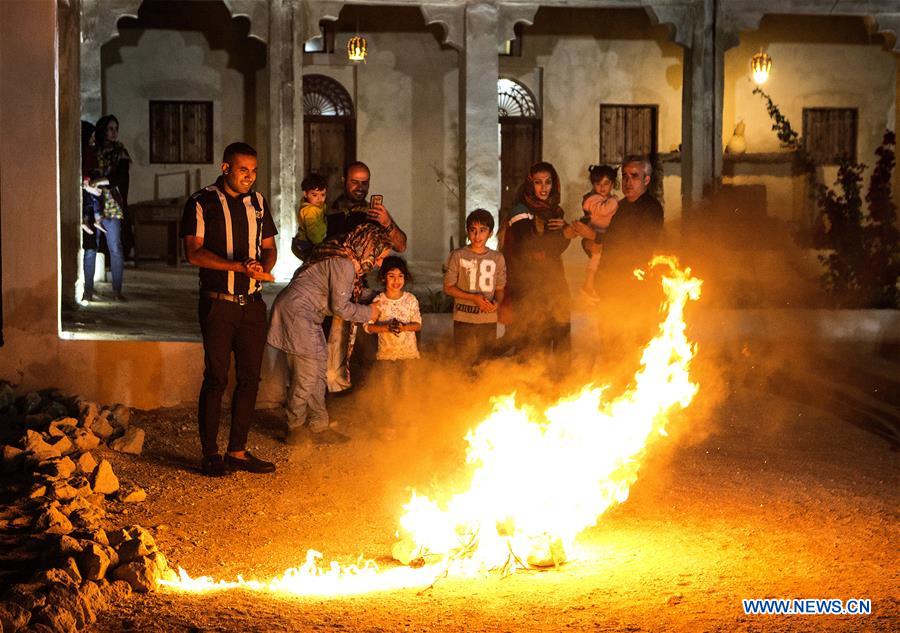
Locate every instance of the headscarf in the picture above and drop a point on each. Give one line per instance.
(362, 245)
(545, 209)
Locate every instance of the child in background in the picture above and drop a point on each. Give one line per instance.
(398, 321)
(475, 278)
(599, 206)
(310, 217)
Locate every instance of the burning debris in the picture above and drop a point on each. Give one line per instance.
(56, 522)
(515, 515)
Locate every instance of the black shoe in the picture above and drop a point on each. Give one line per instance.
(250, 463)
(213, 466)
(329, 436)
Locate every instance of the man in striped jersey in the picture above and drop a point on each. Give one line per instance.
(229, 233)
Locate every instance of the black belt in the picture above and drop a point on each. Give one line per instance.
(238, 299)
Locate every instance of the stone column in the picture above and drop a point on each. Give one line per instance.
(701, 112)
(68, 20)
(480, 143)
(285, 59)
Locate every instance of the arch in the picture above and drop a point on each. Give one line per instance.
(515, 100)
(323, 96)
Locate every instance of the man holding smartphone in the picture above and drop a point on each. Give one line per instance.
(351, 209)
(346, 212)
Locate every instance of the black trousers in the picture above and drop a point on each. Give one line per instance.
(230, 328)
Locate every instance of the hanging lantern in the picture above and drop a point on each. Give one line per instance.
(760, 66)
(356, 49)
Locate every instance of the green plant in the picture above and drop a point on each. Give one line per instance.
(863, 266)
(780, 124)
(435, 301)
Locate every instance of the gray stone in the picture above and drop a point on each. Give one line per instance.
(129, 551)
(130, 492)
(57, 468)
(99, 536)
(52, 521)
(71, 568)
(86, 463)
(56, 577)
(84, 440)
(62, 426)
(88, 412)
(131, 442)
(95, 559)
(131, 533)
(82, 485)
(117, 590)
(86, 519)
(101, 426)
(39, 449)
(13, 617)
(93, 595)
(58, 618)
(37, 490)
(105, 480)
(69, 546)
(62, 444)
(70, 599)
(62, 491)
(31, 403)
(122, 415)
(7, 395)
(97, 499)
(12, 458)
(56, 409)
(145, 573)
(27, 595)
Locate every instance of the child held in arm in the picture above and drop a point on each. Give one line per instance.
(398, 321)
(599, 206)
(475, 278)
(311, 224)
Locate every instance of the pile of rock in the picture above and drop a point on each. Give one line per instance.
(56, 521)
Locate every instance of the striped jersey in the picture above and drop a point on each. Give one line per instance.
(232, 228)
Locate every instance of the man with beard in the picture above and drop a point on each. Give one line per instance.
(345, 213)
(351, 208)
(229, 234)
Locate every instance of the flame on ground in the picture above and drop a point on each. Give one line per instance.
(539, 479)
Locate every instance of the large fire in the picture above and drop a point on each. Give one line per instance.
(538, 479)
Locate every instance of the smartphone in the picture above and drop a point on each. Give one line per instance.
(376, 200)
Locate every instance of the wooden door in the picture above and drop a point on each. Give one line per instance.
(330, 143)
(520, 148)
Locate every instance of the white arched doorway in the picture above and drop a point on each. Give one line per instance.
(329, 129)
(520, 136)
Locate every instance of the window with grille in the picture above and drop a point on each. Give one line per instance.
(627, 130)
(181, 131)
(829, 134)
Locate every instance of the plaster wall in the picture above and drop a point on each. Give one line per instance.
(806, 74)
(173, 66)
(407, 132)
(405, 97)
(139, 374)
(582, 71)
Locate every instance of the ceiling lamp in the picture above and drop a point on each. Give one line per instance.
(356, 49)
(760, 66)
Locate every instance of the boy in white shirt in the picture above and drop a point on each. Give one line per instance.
(475, 278)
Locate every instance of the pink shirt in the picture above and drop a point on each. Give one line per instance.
(601, 209)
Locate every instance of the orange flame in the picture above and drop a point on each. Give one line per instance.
(538, 479)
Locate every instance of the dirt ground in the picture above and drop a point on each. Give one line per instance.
(779, 482)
